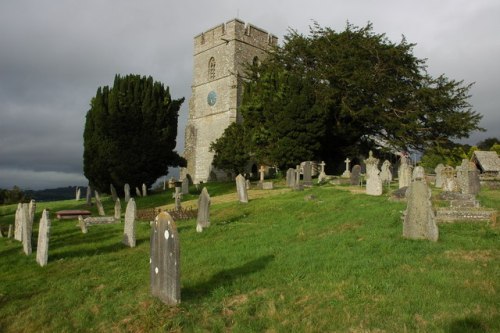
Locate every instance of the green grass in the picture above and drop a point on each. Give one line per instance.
(277, 264)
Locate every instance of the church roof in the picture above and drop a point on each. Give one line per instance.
(487, 160)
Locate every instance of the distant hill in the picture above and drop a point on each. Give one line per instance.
(53, 194)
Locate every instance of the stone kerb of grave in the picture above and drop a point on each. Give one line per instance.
(165, 260)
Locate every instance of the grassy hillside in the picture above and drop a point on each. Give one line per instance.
(277, 264)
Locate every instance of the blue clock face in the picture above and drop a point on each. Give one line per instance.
(211, 98)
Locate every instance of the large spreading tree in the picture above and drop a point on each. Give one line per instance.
(333, 94)
(130, 133)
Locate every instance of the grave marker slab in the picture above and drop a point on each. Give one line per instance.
(18, 230)
(385, 173)
(165, 260)
(373, 181)
(203, 219)
(307, 174)
(439, 175)
(10, 234)
(42, 250)
(138, 192)
(118, 209)
(129, 228)
(185, 186)
(419, 220)
(27, 229)
(241, 188)
(356, 175)
(126, 189)
(178, 195)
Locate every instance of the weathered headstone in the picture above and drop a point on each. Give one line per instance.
(347, 173)
(203, 219)
(404, 172)
(290, 177)
(356, 174)
(129, 228)
(385, 173)
(449, 180)
(307, 180)
(439, 175)
(88, 197)
(32, 211)
(112, 189)
(98, 203)
(247, 184)
(10, 234)
(178, 195)
(82, 224)
(42, 249)
(126, 189)
(27, 229)
(419, 220)
(241, 189)
(266, 185)
(418, 174)
(18, 230)
(144, 190)
(138, 192)
(165, 260)
(78, 193)
(474, 181)
(468, 177)
(373, 181)
(118, 209)
(185, 186)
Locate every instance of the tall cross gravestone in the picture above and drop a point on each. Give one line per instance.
(126, 189)
(42, 249)
(203, 219)
(322, 174)
(262, 170)
(347, 173)
(165, 260)
(307, 181)
(98, 203)
(129, 227)
(241, 189)
(419, 220)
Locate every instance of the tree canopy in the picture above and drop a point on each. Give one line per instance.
(130, 133)
(334, 94)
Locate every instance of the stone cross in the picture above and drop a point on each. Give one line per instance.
(165, 260)
(419, 221)
(78, 193)
(82, 224)
(42, 249)
(112, 189)
(203, 219)
(144, 190)
(262, 170)
(241, 189)
(178, 195)
(89, 196)
(323, 164)
(129, 228)
(118, 209)
(126, 189)
(27, 229)
(98, 203)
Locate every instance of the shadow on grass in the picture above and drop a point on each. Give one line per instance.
(225, 278)
(467, 325)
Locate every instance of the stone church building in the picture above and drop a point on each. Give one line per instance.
(220, 55)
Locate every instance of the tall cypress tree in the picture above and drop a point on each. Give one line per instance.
(130, 133)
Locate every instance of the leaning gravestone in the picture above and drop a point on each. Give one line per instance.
(112, 189)
(144, 190)
(138, 192)
(18, 230)
(419, 220)
(241, 188)
(355, 174)
(185, 186)
(165, 260)
(439, 175)
(129, 229)
(307, 180)
(27, 229)
(78, 194)
(42, 249)
(126, 189)
(203, 219)
(118, 209)
(98, 203)
(82, 224)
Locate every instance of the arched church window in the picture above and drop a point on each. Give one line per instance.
(211, 69)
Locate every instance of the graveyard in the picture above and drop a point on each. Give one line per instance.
(320, 259)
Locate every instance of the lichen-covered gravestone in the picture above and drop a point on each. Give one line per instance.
(126, 189)
(355, 174)
(449, 179)
(165, 260)
(118, 209)
(439, 175)
(418, 174)
(129, 228)
(98, 203)
(419, 220)
(203, 219)
(42, 250)
(373, 181)
(27, 227)
(404, 172)
(177, 195)
(241, 188)
(185, 186)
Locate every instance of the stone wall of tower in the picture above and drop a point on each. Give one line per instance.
(231, 45)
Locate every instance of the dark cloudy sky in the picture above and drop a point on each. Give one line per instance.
(55, 53)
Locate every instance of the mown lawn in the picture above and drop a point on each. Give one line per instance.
(336, 263)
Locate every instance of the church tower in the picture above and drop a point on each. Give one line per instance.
(220, 55)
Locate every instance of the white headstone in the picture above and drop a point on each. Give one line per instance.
(144, 190)
(42, 250)
(129, 228)
(241, 189)
(203, 219)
